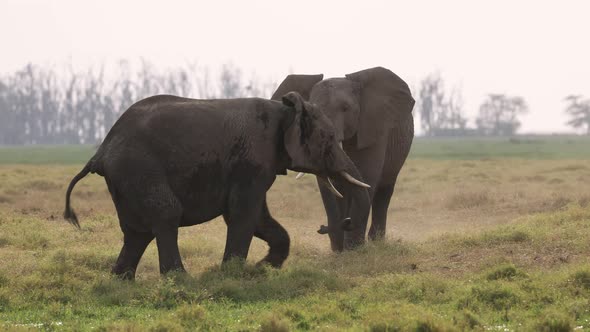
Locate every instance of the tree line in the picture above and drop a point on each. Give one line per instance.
(442, 112)
(51, 105)
(41, 105)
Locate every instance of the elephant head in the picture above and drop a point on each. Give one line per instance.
(312, 146)
(363, 107)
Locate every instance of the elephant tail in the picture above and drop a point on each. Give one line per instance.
(69, 214)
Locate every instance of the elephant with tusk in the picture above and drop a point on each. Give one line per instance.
(166, 166)
(372, 112)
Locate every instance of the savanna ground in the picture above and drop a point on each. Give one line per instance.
(485, 234)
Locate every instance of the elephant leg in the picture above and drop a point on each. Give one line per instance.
(276, 236)
(134, 245)
(400, 142)
(162, 211)
(168, 253)
(356, 237)
(334, 214)
(379, 211)
(242, 217)
(134, 242)
(370, 163)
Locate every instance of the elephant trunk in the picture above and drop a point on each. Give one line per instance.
(353, 205)
(356, 202)
(356, 212)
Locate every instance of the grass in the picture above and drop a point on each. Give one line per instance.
(446, 283)
(491, 244)
(525, 147)
(521, 147)
(46, 154)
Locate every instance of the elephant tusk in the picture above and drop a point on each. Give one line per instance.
(354, 181)
(341, 148)
(299, 176)
(326, 181)
(333, 189)
(347, 224)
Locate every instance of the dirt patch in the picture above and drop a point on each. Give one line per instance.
(5, 199)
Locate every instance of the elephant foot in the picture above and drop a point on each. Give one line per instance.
(124, 274)
(354, 239)
(350, 244)
(275, 262)
(276, 257)
(177, 270)
(376, 236)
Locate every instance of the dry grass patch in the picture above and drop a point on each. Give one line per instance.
(469, 200)
(5, 199)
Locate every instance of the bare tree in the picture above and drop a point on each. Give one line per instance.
(40, 106)
(498, 115)
(440, 111)
(230, 82)
(579, 111)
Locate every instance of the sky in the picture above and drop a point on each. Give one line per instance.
(537, 49)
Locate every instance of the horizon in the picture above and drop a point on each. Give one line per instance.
(529, 49)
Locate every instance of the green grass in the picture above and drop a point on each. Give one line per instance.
(46, 154)
(512, 277)
(501, 244)
(527, 147)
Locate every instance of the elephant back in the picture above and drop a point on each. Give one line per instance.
(300, 83)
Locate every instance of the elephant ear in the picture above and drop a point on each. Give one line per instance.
(385, 99)
(297, 133)
(299, 83)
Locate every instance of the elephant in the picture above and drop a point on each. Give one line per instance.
(372, 112)
(171, 162)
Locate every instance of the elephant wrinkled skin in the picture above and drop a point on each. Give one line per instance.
(171, 162)
(372, 113)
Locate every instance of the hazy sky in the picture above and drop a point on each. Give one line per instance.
(537, 49)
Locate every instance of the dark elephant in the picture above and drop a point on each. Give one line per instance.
(372, 112)
(170, 162)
